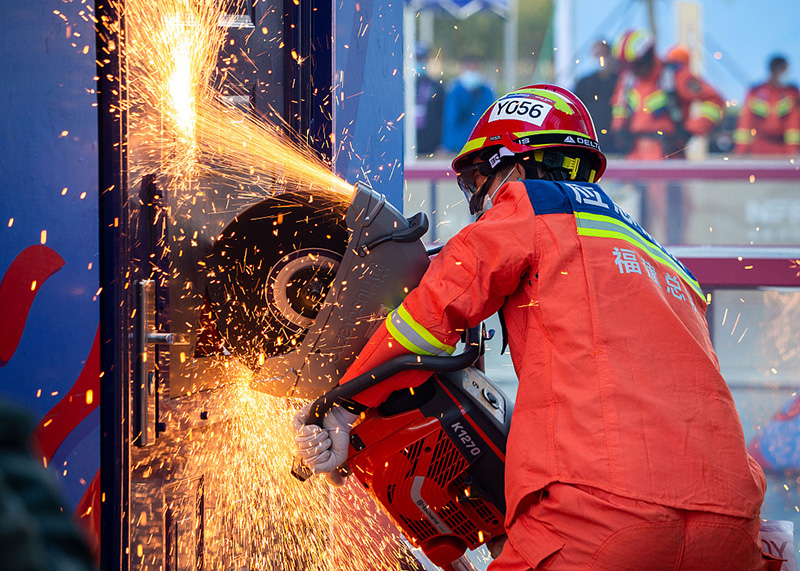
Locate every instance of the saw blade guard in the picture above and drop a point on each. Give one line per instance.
(302, 307)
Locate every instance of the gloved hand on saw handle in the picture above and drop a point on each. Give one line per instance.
(324, 449)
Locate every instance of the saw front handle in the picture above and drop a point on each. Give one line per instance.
(300, 470)
(367, 380)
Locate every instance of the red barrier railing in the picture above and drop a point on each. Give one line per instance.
(622, 170)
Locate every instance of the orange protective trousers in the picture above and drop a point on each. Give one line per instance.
(570, 527)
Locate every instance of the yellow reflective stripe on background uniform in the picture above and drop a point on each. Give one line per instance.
(791, 136)
(742, 136)
(634, 100)
(783, 106)
(414, 336)
(655, 101)
(711, 111)
(758, 106)
(619, 111)
(601, 226)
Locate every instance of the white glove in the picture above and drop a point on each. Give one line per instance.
(324, 450)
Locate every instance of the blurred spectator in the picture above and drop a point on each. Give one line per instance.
(652, 102)
(429, 106)
(596, 90)
(468, 96)
(769, 123)
(35, 533)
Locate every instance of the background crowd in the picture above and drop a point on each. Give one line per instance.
(645, 105)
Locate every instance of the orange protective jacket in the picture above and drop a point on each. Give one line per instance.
(657, 105)
(769, 123)
(619, 386)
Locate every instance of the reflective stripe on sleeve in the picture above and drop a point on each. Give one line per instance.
(414, 336)
(791, 137)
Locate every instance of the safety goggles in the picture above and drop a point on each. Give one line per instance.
(467, 175)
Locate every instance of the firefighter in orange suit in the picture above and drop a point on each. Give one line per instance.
(625, 450)
(769, 123)
(653, 99)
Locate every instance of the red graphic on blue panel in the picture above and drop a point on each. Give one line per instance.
(62, 420)
(19, 287)
(62, 430)
(777, 446)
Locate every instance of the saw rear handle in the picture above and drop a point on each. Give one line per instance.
(364, 381)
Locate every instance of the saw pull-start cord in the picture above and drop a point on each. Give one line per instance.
(359, 384)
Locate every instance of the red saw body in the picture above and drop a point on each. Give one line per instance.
(434, 458)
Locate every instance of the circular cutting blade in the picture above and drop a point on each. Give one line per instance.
(269, 272)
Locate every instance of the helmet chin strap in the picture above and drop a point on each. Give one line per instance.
(481, 201)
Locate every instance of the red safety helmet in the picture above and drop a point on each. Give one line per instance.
(679, 54)
(534, 118)
(633, 45)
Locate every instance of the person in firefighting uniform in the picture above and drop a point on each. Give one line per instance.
(596, 91)
(652, 103)
(769, 123)
(625, 449)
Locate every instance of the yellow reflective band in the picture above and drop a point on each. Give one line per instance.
(783, 106)
(600, 226)
(400, 338)
(711, 111)
(632, 46)
(619, 111)
(742, 136)
(655, 101)
(758, 106)
(472, 145)
(630, 50)
(414, 336)
(523, 134)
(558, 102)
(634, 100)
(791, 136)
(422, 332)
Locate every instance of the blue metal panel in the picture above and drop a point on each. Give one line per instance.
(368, 92)
(48, 182)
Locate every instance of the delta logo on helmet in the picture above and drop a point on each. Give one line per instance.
(532, 118)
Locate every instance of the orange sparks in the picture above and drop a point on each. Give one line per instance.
(183, 129)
